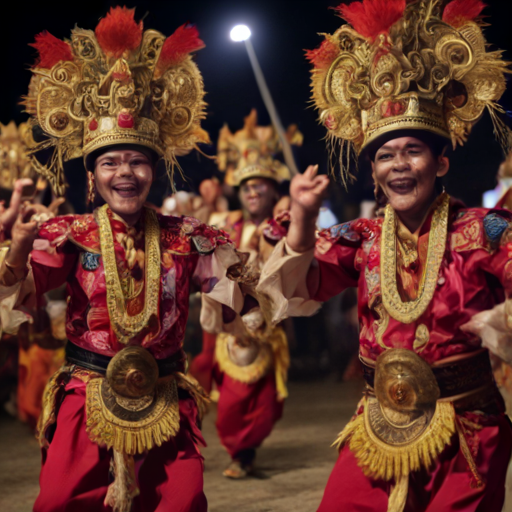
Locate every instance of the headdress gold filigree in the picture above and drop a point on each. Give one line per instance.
(407, 65)
(116, 85)
(14, 161)
(250, 152)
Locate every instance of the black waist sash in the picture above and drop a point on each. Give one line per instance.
(99, 362)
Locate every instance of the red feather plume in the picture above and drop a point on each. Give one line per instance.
(459, 12)
(177, 46)
(370, 18)
(51, 50)
(323, 56)
(118, 32)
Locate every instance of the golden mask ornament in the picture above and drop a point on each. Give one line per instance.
(421, 68)
(116, 85)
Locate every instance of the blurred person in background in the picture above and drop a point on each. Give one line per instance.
(38, 345)
(250, 373)
(209, 201)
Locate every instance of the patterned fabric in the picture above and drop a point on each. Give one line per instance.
(494, 225)
(349, 256)
(68, 251)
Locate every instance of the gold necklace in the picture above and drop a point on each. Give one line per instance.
(408, 312)
(124, 325)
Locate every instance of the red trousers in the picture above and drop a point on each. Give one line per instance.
(75, 472)
(447, 487)
(246, 413)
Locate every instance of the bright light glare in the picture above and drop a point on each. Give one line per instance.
(240, 33)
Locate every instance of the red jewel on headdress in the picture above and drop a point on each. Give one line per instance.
(330, 122)
(125, 120)
(93, 125)
(392, 109)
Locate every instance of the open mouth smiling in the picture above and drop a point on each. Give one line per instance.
(402, 185)
(126, 190)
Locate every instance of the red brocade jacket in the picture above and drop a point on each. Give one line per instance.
(475, 275)
(67, 251)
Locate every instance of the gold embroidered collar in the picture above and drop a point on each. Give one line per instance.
(124, 325)
(408, 312)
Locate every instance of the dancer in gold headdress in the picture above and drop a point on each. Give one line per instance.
(40, 353)
(119, 429)
(251, 371)
(397, 84)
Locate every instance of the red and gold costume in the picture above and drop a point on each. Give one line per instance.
(120, 423)
(71, 253)
(430, 434)
(252, 387)
(475, 449)
(251, 397)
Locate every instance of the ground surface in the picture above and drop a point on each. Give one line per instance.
(293, 464)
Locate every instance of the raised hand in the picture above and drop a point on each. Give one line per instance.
(43, 213)
(23, 234)
(8, 216)
(308, 190)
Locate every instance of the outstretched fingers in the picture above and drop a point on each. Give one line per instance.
(18, 192)
(311, 172)
(54, 205)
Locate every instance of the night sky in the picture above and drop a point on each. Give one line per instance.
(281, 31)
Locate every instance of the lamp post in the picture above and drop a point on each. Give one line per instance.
(241, 33)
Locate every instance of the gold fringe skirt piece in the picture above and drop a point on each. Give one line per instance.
(382, 461)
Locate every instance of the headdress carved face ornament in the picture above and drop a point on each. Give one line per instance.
(250, 152)
(116, 85)
(406, 65)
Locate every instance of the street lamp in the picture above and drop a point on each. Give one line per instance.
(241, 33)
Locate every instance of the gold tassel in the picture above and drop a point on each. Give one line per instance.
(123, 489)
(279, 345)
(382, 461)
(398, 496)
(132, 437)
(47, 416)
(467, 452)
(198, 394)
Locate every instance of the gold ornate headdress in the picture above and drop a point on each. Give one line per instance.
(250, 152)
(407, 65)
(256, 163)
(14, 161)
(116, 85)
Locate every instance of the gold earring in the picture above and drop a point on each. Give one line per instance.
(91, 186)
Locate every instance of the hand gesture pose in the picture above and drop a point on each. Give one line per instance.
(9, 215)
(307, 191)
(21, 222)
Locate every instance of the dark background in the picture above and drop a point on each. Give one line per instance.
(281, 31)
